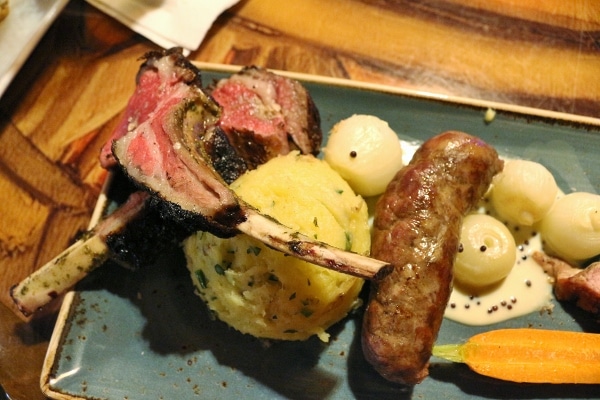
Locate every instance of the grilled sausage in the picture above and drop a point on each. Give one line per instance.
(417, 229)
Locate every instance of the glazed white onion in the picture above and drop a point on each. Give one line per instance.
(571, 229)
(365, 151)
(523, 192)
(487, 254)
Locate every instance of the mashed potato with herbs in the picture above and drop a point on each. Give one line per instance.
(263, 292)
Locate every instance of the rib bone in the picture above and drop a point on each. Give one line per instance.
(74, 263)
(293, 243)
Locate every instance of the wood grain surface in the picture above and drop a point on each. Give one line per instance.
(67, 98)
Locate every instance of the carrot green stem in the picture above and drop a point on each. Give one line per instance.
(450, 352)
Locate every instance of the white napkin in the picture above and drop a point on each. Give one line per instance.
(168, 23)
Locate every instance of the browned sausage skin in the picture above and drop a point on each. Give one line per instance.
(417, 230)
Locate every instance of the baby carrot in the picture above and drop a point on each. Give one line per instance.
(530, 355)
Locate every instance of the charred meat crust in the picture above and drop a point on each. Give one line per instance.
(223, 156)
(313, 122)
(417, 230)
(254, 150)
(161, 223)
(188, 72)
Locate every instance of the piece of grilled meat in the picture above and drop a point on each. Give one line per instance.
(264, 115)
(574, 284)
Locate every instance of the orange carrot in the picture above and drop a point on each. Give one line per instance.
(530, 355)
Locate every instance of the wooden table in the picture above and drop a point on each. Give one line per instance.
(65, 101)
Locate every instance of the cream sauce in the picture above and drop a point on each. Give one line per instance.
(525, 290)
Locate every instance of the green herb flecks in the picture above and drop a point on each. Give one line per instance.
(306, 312)
(219, 269)
(253, 250)
(348, 246)
(201, 278)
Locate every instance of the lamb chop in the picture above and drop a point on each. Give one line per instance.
(173, 142)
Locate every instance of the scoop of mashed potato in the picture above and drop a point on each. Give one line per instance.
(263, 292)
